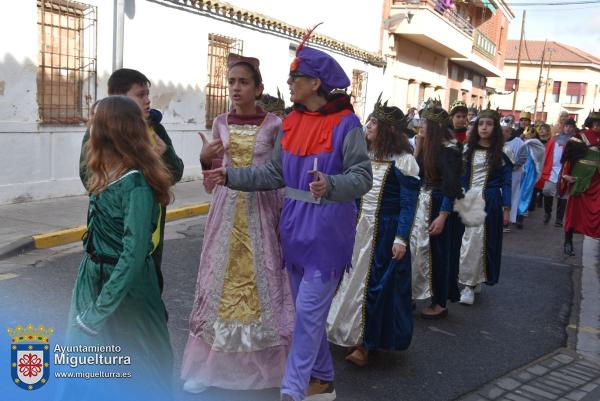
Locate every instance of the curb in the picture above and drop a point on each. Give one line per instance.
(74, 234)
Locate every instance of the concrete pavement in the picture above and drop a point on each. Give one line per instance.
(535, 336)
(20, 221)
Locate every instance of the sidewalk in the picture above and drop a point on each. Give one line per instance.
(568, 374)
(20, 221)
(563, 376)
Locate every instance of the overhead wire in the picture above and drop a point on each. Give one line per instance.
(552, 4)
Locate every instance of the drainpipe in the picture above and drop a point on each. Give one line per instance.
(119, 29)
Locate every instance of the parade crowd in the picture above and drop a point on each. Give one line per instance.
(320, 230)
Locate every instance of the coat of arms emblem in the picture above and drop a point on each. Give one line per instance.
(30, 356)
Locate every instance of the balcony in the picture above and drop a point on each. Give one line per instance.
(445, 32)
(432, 25)
(484, 45)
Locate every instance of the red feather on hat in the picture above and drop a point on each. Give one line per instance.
(305, 39)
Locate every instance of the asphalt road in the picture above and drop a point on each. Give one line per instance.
(511, 324)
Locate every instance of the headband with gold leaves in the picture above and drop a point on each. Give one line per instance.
(389, 114)
(490, 113)
(434, 111)
(272, 104)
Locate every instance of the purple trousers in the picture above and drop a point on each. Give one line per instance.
(309, 355)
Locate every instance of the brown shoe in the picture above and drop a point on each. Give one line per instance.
(320, 390)
(286, 397)
(434, 312)
(359, 357)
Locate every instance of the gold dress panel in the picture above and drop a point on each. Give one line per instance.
(239, 298)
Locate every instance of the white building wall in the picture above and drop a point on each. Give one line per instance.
(170, 47)
(529, 76)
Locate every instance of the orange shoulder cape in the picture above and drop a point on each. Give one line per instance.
(310, 133)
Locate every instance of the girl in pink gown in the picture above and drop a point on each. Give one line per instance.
(242, 317)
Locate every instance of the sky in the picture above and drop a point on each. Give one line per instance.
(575, 25)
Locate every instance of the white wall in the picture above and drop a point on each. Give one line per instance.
(167, 45)
(529, 76)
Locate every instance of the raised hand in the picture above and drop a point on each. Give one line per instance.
(210, 150)
(160, 147)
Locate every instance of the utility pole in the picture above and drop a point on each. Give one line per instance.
(518, 63)
(550, 51)
(539, 85)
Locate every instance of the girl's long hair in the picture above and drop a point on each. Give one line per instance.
(494, 155)
(119, 141)
(436, 135)
(390, 140)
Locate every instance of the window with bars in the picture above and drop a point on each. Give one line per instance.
(66, 77)
(576, 92)
(217, 88)
(359, 92)
(556, 91)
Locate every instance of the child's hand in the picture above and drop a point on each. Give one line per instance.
(160, 146)
(210, 150)
(505, 216)
(437, 225)
(398, 251)
(216, 176)
(320, 185)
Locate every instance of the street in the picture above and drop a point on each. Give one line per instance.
(511, 324)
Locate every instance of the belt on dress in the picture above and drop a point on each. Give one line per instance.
(103, 259)
(305, 196)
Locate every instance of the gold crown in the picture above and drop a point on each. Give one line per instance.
(271, 103)
(457, 106)
(434, 111)
(30, 333)
(525, 115)
(489, 113)
(594, 115)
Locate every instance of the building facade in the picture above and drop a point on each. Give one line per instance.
(63, 52)
(443, 49)
(568, 81)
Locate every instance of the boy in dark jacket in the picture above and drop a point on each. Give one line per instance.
(135, 85)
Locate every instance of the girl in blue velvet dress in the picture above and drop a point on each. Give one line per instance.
(489, 170)
(372, 306)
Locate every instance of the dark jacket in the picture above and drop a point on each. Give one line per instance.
(170, 158)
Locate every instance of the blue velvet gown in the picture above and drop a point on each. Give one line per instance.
(372, 306)
(481, 249)
(432, 275)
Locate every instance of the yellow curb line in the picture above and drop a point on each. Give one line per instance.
(584, 329)
(62, 237)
